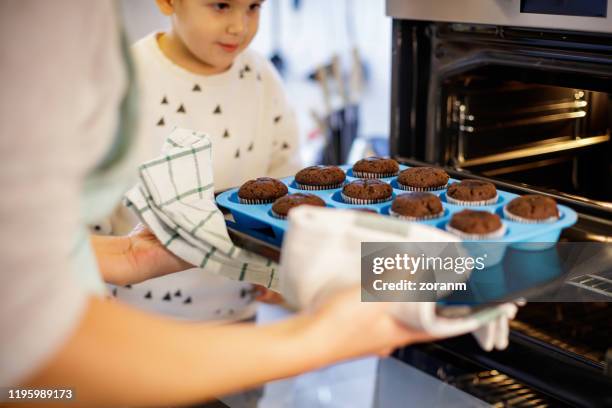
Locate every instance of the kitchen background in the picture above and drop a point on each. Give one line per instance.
(305, 36)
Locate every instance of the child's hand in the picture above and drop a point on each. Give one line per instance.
(265, 295)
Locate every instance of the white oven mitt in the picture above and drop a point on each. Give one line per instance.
(175, 199)
(322, 253)
(490, 326)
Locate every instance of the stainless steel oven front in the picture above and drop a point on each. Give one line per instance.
(522, 97)
(517, 92)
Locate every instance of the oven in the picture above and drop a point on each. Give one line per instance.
(519, 93)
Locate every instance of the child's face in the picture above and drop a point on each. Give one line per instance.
(215, 32)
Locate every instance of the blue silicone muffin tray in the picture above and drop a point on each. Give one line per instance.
(257, 220)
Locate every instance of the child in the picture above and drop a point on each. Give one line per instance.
(200, 75)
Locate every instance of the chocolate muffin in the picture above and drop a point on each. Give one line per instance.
(417, 206)
(422, 179)
(283, 205)
(471, 192)
(374, 167)
(261, 190)
(320, 178)
(366, 191)
(476, 224)
(532, 208)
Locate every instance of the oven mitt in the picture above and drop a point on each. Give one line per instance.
(495, 334)
(175, 199)
(490, 326)
(313, 267)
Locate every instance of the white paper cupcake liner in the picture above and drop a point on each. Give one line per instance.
(490, 201)
(366, 175)
(363, 201)
(254, 201)
(410, 218)
(512, 217)
(478, 237)
(276, 215)
(317, 188)
(410, 188)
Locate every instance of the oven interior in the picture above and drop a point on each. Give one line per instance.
(503, 123)
(520, 105)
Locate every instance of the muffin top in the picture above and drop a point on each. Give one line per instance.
(282, 205)
(533, 207)
(368, 189)
(423, 177)
(472, 190)
(320, 176)
(417, 204)
(476, 222)
(262, 188)
(376, 165)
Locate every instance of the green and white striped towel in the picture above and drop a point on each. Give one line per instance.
(175, 199)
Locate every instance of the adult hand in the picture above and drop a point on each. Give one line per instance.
(149, 258)
(351, 328)
(134, 258)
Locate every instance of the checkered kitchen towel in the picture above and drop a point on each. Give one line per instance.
(175, 199)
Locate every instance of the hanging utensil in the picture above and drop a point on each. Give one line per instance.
(277, 58)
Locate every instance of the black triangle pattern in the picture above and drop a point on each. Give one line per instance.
(148, 295)
(237, 155)
(277, 118)
(217, 110)
(226, 134)
(164, 101)
(161, 122)
(250, 147)
(285, 146)
(178, 293)
(187, 301)
(196, 88)
(181, 109)
(128, 286)
(167, 297)
(247, 68)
